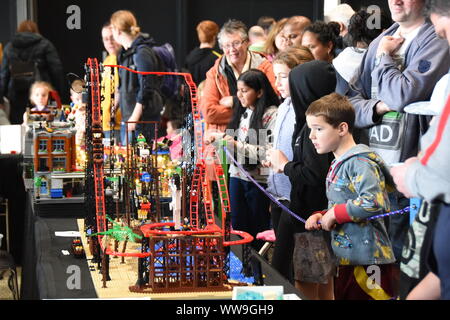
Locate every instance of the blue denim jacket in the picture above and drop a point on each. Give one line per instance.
(357, 185)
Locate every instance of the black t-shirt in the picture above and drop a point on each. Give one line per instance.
(199, 61)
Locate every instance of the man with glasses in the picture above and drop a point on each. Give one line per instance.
(219, 94)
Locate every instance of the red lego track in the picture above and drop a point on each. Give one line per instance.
(200, 184)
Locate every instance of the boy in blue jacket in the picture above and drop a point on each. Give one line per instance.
(356, 187)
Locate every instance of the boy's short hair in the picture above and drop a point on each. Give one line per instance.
(335, 109)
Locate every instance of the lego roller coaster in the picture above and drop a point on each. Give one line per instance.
(170, 259)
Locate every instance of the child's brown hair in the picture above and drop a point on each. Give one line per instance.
(293, 56)
(335, 109)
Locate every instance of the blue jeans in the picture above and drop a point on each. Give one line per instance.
(123, 132)
(115, 133)
(441, 252)
(249, 209)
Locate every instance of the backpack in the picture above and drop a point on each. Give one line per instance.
(170, 83)
(152, 83)
(24, 72)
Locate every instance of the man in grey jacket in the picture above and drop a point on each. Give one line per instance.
(426, 176)
(401, 66)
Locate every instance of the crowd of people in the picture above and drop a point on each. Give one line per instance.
(315, 113)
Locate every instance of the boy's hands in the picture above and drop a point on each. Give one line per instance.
(319, 221)
(328, 221)
(313, 222)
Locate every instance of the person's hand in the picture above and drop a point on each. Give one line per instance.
(328, 220)
(389, 45)
(277, 159)
(399, 175)
(131, 126)
(227, 101)
(216, 136)
(381, 108)
(212, 135)
(135, 116)
(266, 163)
(312, 223)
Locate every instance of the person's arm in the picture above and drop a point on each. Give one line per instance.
(365, 179)
(212, 110)
(426, 178)
(416, 82)
(135, 116)
(258, 151)
(367, 111)
(427, 289)
(143, 62)
(429, 182)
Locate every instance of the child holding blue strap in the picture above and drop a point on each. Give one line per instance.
(279, 184)
(308, 252)
(250, 133)
(357, 189)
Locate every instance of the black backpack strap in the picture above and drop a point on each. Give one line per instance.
(158, 62)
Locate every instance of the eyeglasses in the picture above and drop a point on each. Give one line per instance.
(234, 45)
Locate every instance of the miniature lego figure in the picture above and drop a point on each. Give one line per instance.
(141, 141)
(78, 117)
(145, 208)
(175, 205)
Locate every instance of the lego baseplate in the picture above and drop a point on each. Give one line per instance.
(124, 275)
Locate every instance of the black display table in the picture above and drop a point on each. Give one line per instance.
(48, 274)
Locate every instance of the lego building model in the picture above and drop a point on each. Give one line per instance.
(50, 155)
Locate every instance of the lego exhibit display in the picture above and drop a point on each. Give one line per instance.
(144, 204)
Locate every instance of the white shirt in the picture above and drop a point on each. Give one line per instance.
(348, 62)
